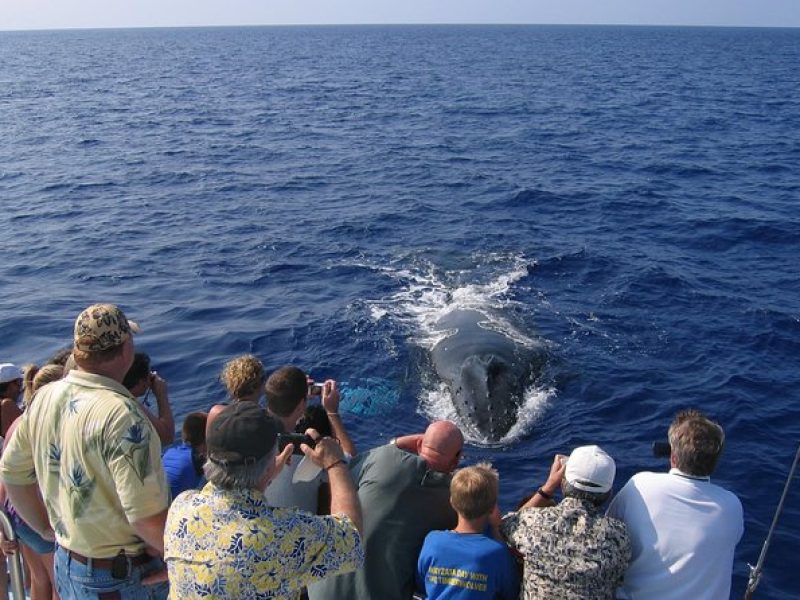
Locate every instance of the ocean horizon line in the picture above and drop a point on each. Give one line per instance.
(391, 25)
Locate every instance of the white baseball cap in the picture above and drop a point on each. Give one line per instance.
(590, 469)
(9, 372)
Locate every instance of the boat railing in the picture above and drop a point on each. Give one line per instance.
(14, 560)
(755, 571)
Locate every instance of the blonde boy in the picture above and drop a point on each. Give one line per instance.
(465, 563)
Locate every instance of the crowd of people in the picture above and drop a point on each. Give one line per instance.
(274, 501)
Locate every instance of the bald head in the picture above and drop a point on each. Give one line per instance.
(213, 413)
(441, 446)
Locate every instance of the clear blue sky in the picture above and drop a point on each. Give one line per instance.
(48, 14)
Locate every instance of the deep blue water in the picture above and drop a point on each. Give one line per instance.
(319, 196)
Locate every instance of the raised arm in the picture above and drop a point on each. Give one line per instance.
(330, 402)
(344, 498)
(164, 422)
(544, 496)
(409, 443)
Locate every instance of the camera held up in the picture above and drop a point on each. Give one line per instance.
(662, 450)
(284, 439)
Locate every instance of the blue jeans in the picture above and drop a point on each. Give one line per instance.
(76, 581)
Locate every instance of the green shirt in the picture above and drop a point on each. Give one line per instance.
(96, 459)
(402, 500)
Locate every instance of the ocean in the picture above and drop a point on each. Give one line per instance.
(625, 197)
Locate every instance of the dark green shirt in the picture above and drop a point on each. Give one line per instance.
(401, 500)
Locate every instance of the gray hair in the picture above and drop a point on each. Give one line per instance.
(234, 477)
(598, 499)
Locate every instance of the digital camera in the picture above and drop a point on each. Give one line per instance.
(662, 450)
(284, 439)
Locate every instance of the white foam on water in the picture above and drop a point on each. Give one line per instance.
(535, 403)
(377, 313)
(436, 404)
(427, 295)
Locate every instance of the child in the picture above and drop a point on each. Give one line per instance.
(183, 463)
(464, 563)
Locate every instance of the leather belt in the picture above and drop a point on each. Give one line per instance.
(105, 563)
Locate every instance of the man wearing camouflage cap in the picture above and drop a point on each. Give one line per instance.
(96, 459)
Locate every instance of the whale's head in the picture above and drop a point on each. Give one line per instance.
(489, 395)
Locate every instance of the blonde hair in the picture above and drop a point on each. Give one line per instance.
(243, 376)
(28, 373)
(473, 490)
(36, 377)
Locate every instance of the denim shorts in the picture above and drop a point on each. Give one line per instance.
(33, 540)
(85, 582)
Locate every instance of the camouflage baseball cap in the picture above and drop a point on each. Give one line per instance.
(102, 326)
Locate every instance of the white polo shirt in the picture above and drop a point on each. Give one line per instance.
(683, 532)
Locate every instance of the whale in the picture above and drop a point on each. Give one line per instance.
(486, 372)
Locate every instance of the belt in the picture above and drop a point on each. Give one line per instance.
(105, 563)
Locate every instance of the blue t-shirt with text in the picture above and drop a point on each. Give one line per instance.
(466, 566)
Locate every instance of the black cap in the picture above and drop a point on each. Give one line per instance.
(241, 434)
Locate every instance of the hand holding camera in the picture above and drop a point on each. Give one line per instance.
(328, 391)
(557, 470)
(325, 452)
(296, 440)
(330, 397)
(158, 385)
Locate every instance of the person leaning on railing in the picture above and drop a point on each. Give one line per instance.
(683, 528)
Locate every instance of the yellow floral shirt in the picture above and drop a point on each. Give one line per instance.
(230, 544)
